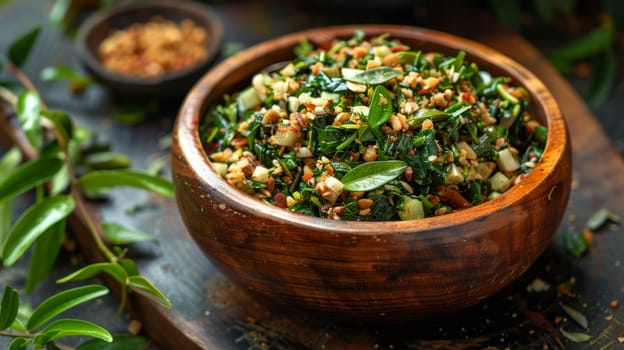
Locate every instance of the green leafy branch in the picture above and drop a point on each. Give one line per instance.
(62, 171)
(39, 328)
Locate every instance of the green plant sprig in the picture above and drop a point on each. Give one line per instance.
(49, 166)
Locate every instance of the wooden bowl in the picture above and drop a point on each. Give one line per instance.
(173, 84)
(370, 271)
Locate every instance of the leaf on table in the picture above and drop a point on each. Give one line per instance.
(114, 270)
(575, 243)
(143, 286)
(28, 109)
(575, 315)
(8, 307)
(33, 223)
(63, 301)
(577, 337)
(20, 48)
(601, 217)
(118, 234)
(71, 327)
(98, 181)
(43, 256)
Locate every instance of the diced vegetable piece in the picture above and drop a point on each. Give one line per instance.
(470, 153)
(260, 174)
(303, 152)
(247, 99)
(330, 96)
(499, 182)
(286, 136)
(493, 195)
(485, 169)
(334, 184)
(453, 176)
(356, 87)
(506, 161)
(220, 168)
(258, 84)
(289, 70)
(412, 209)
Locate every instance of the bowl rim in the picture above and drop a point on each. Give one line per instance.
(186, 135)
(214, 29)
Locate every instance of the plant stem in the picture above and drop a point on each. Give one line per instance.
(15, 335)
(21, 77)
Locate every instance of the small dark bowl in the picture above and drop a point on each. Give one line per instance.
(389, 272)
(169, 85)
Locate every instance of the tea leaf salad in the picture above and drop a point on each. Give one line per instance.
(370, 129)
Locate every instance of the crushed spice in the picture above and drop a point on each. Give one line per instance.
(153, 48)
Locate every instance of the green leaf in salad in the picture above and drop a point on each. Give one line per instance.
(375, 76)
(33, 223)
(380, 107)
(371, 175)
(61, 302)
(303, 48)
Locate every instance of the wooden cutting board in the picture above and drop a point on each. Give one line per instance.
(209, 312)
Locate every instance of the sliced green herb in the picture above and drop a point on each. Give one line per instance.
(369, 176)
(375, 76)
